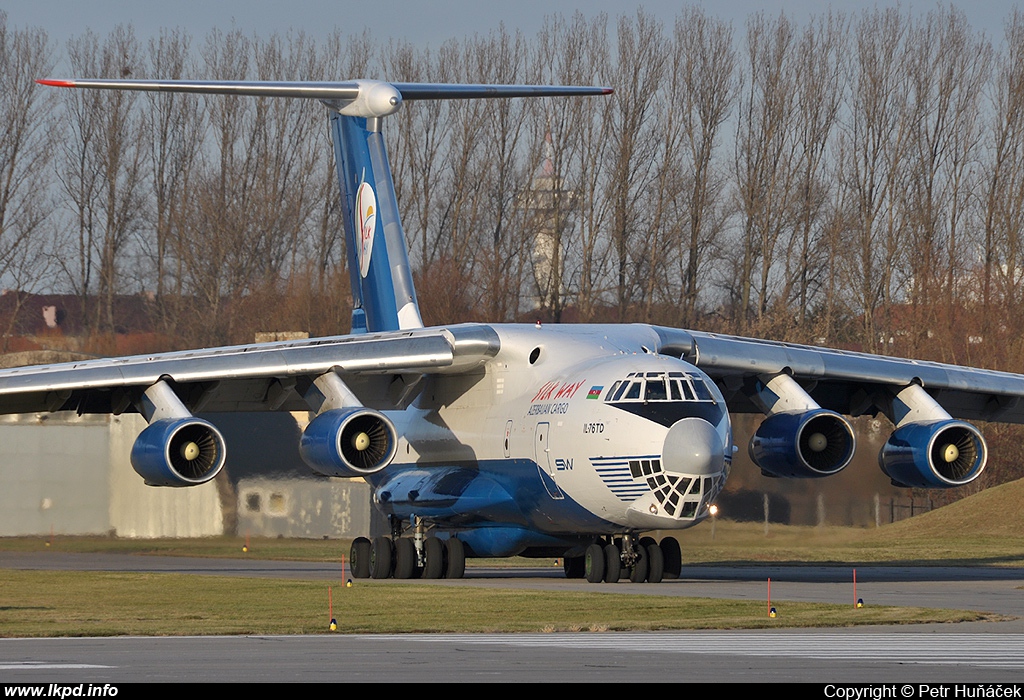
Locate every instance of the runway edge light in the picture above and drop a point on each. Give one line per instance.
(333, 627)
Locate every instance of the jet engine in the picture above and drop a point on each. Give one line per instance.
(178, 452)
(803, 445)
(349, 442)
(940, 454)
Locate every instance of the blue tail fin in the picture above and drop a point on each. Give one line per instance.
(382, 288)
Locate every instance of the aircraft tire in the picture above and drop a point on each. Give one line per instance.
(593, 566)
(655, 564)
(574, 567)
(433, 554)
(359, 558)
(456, 558)
(672, 557)
(638, 574)
(405, 558)
(612, 563)
(380, 557)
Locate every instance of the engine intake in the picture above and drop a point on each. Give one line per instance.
(941, 454)
(803, 445)
(349, 442)
(178, 452)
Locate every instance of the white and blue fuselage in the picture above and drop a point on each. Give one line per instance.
(564, 434)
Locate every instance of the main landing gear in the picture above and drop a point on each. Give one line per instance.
(408, 557)
(638, 560)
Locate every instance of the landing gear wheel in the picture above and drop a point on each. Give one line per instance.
(456, 558)
(672, 557)
(359, 558)
(574, 567)
(405, 558)
(639, 572)
(655, 563)
(612, 563)
(433, 553)
(593, 563)
(380, 557)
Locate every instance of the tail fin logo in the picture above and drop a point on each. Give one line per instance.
(366, 224)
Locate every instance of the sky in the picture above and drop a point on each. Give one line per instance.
(425, 24)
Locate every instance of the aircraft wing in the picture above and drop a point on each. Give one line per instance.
(851, 383)
(262, 376)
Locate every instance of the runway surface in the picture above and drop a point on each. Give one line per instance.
(970, 652)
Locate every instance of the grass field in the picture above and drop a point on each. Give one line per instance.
(982, 530)
(37, 603)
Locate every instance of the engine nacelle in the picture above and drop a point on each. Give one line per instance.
(803, 445)
(178, 452)
(349, 442)
(936, 455)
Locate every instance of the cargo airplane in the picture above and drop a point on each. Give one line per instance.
(494, 440)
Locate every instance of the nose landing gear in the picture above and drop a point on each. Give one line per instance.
(642, 560)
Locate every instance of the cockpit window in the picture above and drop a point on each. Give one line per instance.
(703, 393)
(660, 386)
(656, 390)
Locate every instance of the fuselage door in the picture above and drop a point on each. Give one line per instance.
(543, 453)
(545, 468)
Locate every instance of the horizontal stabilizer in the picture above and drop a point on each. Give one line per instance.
(355, 98)
(440, 91)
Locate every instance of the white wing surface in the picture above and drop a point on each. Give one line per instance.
(850, 383)
(261, 376)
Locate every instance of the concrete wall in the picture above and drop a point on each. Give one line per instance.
(304, 508)
(54, 476)
(72, 475)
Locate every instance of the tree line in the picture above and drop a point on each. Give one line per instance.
(853, 180)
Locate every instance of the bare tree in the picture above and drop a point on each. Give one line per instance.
(214, 238)
(102, 170)
(417, 138)
(637, 73)
(570, 171)
(255, 206)
(874, 145)
(1002, 284)
(948, 67)
(503, 249)
(176, 132)
(25, 152)
(818, 78)
(704, 46)
(766, 161)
